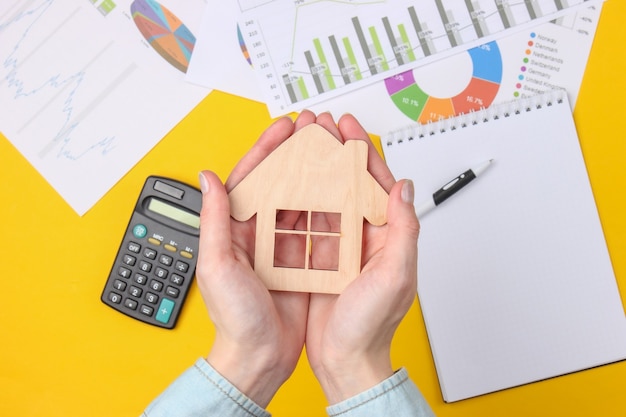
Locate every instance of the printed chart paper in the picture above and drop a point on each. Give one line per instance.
(307, 51)
(547, 56)
(550, 56)
(88, 88)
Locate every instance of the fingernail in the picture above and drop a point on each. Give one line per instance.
(204, 185)
(408, 191)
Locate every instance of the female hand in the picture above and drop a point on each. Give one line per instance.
(348, 336)
(259, 333)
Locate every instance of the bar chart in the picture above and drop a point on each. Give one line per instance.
(306, 51)
(104, 6)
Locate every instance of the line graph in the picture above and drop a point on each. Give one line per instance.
(58, 91)
(306, 51)
(77, 91)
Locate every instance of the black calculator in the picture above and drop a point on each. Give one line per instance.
(156, 261)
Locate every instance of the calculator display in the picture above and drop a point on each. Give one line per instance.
(173, 212)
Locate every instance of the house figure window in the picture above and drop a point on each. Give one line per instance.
(316, 234)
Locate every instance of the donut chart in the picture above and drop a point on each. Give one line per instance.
(167, 35)
(481, 90)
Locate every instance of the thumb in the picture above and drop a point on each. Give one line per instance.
(215, 233)
(403, 226)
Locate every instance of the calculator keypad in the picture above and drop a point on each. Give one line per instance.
(149, 283)
(135, 296)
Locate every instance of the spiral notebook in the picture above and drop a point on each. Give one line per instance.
(514, 278)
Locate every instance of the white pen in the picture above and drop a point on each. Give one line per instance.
(451, 188)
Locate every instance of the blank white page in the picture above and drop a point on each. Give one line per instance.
(514, 277)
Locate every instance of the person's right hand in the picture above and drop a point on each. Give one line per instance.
(349, 336)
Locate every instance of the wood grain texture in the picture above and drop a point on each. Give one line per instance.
(311, 172)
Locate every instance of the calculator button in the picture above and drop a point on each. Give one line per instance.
(186, 254)
(154, 241)
(119, 285)
(166, 260)
(135, 291)
(182, 266)
(123, 272)
(160, 272)
(177, 279)
(165, 310)
(134, 247)
(130, 303)
(147, 310)
(149, 253)
(145, 266)
(170, 248)
(115, 298)
(140, 279)
(152, 298)
(171, 291)
(129, 260)
(156, 285)
(140, 231)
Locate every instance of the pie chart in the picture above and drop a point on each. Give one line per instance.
(242, 45)
(480, 91)
(164, 32)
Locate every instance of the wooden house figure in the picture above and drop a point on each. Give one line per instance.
(324, 183)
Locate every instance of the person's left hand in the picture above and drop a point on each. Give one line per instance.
(259, 333)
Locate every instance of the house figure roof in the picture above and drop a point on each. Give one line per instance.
(327, 184)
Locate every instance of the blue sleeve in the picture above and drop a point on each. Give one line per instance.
(201, 391)
(396, 396)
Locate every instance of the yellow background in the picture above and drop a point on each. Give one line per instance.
(64, 353)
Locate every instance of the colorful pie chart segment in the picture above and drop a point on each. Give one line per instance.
(481, 90)
(242, 45)
(164, 32)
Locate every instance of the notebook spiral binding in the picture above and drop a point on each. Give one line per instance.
(417, 131)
